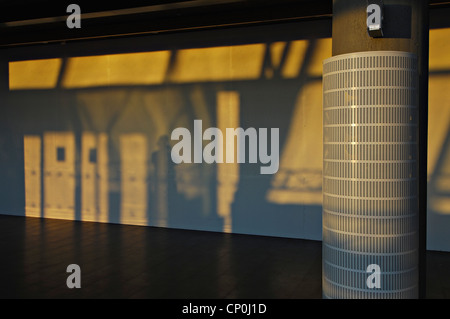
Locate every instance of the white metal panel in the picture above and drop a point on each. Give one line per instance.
(370, 201)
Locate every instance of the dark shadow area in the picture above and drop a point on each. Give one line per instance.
(397, 21)
(439, 17)
(439, 200)
(121, 261)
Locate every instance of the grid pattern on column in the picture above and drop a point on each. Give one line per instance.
(369, 174)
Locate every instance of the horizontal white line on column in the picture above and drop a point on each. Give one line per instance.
(370, 161)
(368, 216)
(369, 290)
(371, 125)
(370, 179)
(369, 198)
(370, 143)
(369, 235)
(402, 106)
(365, 271)
(369, 253)
(411, 88)
(342, 71)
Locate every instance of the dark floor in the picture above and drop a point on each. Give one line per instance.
(120, 261)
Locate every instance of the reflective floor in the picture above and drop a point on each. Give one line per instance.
(120, 261)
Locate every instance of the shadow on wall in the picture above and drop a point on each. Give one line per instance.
(438, 220)
(96, 134)
(89, 137)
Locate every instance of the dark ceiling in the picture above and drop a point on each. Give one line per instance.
(32, 21)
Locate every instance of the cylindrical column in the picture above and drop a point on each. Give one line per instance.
(370, 215)
(374, 117)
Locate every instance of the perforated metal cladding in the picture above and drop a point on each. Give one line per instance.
(369, 174)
